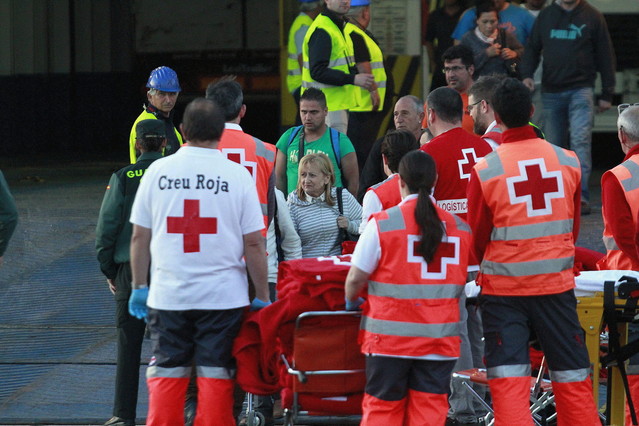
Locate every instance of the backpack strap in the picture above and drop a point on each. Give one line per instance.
(340, 203)
(291, 138)
(336, 149)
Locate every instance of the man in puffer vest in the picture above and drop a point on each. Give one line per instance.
(524, 208)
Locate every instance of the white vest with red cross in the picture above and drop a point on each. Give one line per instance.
(412, 308)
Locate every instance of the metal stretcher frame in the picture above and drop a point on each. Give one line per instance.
(590, 311)
(291, 415)
(541, 395)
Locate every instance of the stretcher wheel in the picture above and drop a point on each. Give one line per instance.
(255, 418)
(288, 418)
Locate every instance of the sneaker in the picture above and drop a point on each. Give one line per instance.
(585, 208)
(119, 421)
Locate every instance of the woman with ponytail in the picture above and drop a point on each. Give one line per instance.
(414, 258)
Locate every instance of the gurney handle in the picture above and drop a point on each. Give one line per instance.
(301, 375)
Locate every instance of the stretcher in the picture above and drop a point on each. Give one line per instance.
(304, 346)
(326, 368)
(589, 291)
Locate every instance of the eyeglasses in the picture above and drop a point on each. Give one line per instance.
(622, 107)
(456, 68)
(469, 108)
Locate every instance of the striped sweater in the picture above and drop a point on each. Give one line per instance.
(316, 222)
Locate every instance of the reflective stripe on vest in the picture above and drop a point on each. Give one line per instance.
(172, 373)
(414, 291)
(341, 59)
(522, 269)
(494, 169)
(395, 221)
(409, 329)
(377, 68)
(262, 151)
(294, 75)
(564, 158)
(569, 376)
(536, 230)
(633, 181)
(502, 371)
(215, 372)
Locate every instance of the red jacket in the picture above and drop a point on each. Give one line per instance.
(620, 207)
(455, 153)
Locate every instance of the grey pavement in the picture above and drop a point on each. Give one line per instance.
(57, 335)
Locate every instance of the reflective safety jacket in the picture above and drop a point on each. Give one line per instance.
(412, 308)
(387, 191)
(627, 175)
(377, 68)
(342, 59)
(174, 138)
(297, 32)
(259, 159)
(529, 186)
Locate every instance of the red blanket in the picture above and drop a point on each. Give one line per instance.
(315, 284)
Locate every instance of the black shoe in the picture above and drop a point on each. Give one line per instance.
(585, 208)
(119, 421)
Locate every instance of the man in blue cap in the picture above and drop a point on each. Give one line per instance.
(164, 89)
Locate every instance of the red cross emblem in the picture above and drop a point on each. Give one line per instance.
(191, 225)
(467, 163)
(535, 186)
(447, 254)
(238, 155)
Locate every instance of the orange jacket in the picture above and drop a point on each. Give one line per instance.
(626, 179)
(413, 307)
(259, 159)
(388, 192)
(531, 189)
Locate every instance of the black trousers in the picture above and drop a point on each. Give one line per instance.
(130, 333)
(389, 379)
(509, 320)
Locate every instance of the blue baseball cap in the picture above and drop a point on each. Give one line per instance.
(355, 3)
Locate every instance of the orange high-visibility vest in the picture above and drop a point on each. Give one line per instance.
(413, 307)
(529, 186)
(388, 191)
(258, 157)
(627, 173)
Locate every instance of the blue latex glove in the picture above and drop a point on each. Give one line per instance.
(354, 305)
(258, 304)
(137, 303)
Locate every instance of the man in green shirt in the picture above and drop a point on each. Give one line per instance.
(312, 137)
(113, 237)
